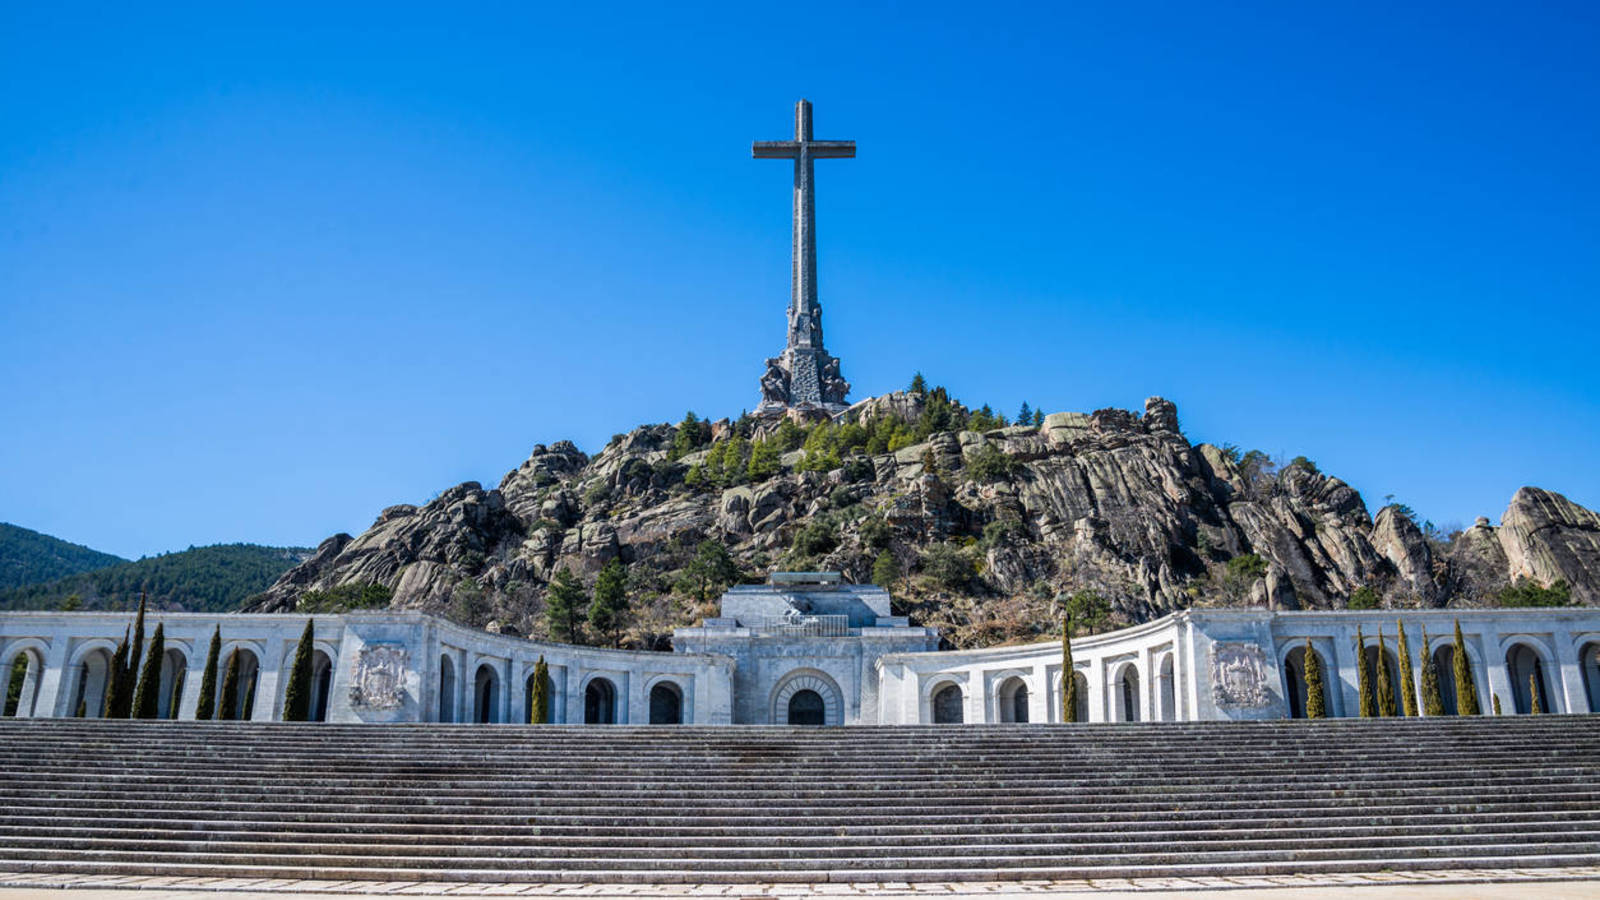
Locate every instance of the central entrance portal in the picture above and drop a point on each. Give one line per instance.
(805, 708)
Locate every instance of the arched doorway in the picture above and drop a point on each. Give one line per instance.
(1589, 661)
(1523, 669)
(1013, 700)
(1167, 690)
(600, 703)
(89, 685)
(1391, 665)
(1294, 676)
(1126, 696)
(244, 689)
(806, 708)
(447, 689)
(1080, 709)
(666, 704)
(22, 683)
(486, 695)
(174, 668)
(816, 681)
(1444, 665)
(947, 705)
(321, 684)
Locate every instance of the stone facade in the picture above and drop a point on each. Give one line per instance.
(810, 649)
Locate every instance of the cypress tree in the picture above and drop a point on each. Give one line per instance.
(147, 698)
(540, 714)
(176, 698)
(135, 651)
(297, 694)
(1408, 682)
(249, 701)
(1069, 681)
(229, 707)
(1533, 695)
(1367, 702)
(1386, 705)
(207, 706)
(1496, 699)
(115, 679)
(1466, 690)
(1316, 702)
(1432, 702)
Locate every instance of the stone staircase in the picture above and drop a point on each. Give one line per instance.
(739, 804)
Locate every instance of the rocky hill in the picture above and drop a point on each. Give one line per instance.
(980, 531)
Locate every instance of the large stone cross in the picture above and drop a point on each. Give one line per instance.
(808, 365)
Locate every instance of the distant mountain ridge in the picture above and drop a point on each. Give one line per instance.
(201, 579)
(29, 557)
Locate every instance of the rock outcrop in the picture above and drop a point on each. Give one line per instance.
(1111, 502)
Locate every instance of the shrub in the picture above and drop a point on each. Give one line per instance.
(1362, 598)
(1247, 566)
(1529, 593)
(297, 694)
(208, 681)
(876, 533)
(949, 565)
(346, 597)
(817, 538)
(988, 463)
(999, 531)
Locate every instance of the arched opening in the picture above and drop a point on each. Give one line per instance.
(1391, 665)
(486, 695)
(947, 706)
(1013, 697)
(600, 703)
(245, 688)
(1589, 661)
(1294, 676)
(806, 708)
(666, 704)
(89, 685)
(174, 667)
(1524, 669)
(22, 683)
(1126, 696)
(1444, 665)
(1080, 709)
(321, 684)
(1167, 692)
(447, 689)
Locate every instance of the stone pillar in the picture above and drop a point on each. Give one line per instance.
(1570, 689)
(1039, 694)
(267, 676)
(1494, 680)
(977, 706)
(517, 691)
(1347, 671)
(574, 693)
(56, 682)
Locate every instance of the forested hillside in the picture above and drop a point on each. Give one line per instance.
(200, 579)
(28, 557)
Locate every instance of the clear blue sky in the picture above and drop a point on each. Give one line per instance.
(264, 271)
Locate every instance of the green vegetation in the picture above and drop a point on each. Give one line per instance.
(1535, 707)
(1316, 701)
(19, 675)
(230, 689)
(610, 600)
(1432, 700)
(1069, 684)
(344, 598)
(1363, 598)
(1386, 704)
(691, 435)
(539, 709)
(1366, 701)
(297, 694)
(564, 605)
(950, 565)
(1466, 690)
(1527, 592)
(147, 697)
(200, 579)
(1408, 684)
(1496, 699)
(709, 572)
(885, 572)
(207, 706)
(919, 385)
(118, 691)
(1089, 611)
(1247, 566)
(989, 463)
(28, 557)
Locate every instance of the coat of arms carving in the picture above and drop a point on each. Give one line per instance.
(1239, 675)
(379, 678)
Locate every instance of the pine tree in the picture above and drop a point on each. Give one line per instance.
(147, 698)
(564, 604)
(610, 599)
(116, 679)
(1025, 414)
(1038, 418)
(1366, 700)
(1069, 680)
(1386, 705)
(207, 707)
(885, 572)
(1316, 701)
(1408, 684)
(297, 694)
(1466, 690)
(540, 712)
(1533, 695)
(229, 709)
(1432, 702)
(919, 385)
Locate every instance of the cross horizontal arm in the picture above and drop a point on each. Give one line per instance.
(791, 149)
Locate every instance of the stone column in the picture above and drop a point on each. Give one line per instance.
(267, 676)
(55, 683)
(1347, 671)
(977, 711)
(1039, 694)
(1570, 666)
(1494, 680)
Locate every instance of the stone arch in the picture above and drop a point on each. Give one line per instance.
(486, 694)
(321, 684)
(1166, 689)
(1081, 707)
(666, 702)
(1524, 664)
(1012, 699)
(91, 676)
(1294, 679)
(174, 671)
(948, 704)
(447, 688)
(599, 701)
(28, 656)
(1125, 693)
(249, 674)
(815, 681)
(1589, 662)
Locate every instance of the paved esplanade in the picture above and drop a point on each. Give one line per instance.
(805, 376)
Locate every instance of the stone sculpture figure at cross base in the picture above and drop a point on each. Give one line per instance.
(804, 376)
